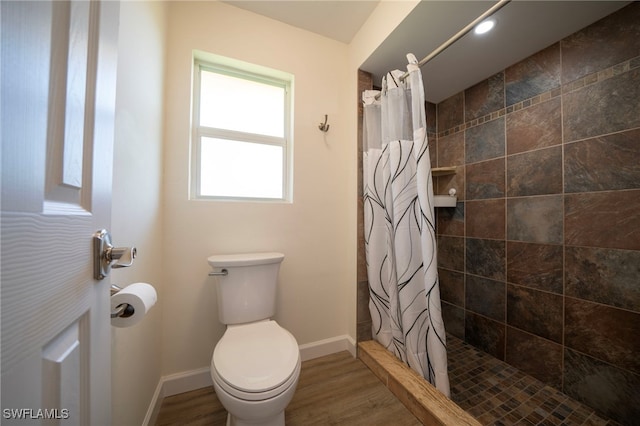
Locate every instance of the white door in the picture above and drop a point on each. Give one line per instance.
(58, 96)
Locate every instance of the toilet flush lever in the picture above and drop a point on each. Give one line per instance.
(218, 273)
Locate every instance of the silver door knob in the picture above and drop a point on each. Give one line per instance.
(122, 256)
(106, 256)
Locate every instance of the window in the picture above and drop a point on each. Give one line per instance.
(241, 133)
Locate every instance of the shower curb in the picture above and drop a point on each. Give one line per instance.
(424, 401)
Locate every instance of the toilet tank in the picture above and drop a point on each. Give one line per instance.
(247, 292)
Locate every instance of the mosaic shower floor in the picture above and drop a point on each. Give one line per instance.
(498, 394)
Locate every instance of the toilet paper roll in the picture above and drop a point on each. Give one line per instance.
(141, 296)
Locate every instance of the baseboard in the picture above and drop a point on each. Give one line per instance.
(187, 381)
(327, 347)
(154, 406)
(174, 384)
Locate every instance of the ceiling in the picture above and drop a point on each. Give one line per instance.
(523, 27)
(339, 20)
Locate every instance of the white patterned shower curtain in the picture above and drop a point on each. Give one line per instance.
(399, 224)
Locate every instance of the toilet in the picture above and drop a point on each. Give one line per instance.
(256, 364)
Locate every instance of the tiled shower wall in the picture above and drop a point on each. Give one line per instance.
(363, 318)
(540, 260)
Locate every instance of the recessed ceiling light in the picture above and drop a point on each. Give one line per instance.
(484, 26)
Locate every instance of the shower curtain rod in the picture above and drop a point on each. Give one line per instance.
(493, 9)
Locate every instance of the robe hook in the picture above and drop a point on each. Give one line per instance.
(324, 126)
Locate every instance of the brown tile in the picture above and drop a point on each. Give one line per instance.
(536, 127)
(485, 141)
(485, 218)
(607, 333)
(362, 312)
(534, 75)
(485, 258)
(610, 390)
(363, 331)
(537, 266)
(484, 97)
(609, 106)
(451, 253)
(605, 276)
(603, 219)
(431, 112)
(432, 140)
(451, 150)
(607, 42)
(451, 112)
(451, 220)
(603, 163)
(535, 311)
(485, 179)
(535, 356)
(485, 297)
(486, 334)
(365, 81)
(453, 317)
(361, 259)
(535, 172)
(535, 219)
(451, 286)
(513, 418)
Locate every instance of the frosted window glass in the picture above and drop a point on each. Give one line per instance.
(240, 169)
(242, 105)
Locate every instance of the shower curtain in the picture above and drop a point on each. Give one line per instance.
(400, 240)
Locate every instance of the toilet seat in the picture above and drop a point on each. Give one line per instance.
(256, 361)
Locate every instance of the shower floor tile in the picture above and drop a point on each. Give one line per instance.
(498, 394)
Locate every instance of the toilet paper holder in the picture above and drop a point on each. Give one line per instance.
(123, 310)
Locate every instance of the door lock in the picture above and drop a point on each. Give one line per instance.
(106, 256)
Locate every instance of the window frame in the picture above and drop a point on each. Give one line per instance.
(199, 132)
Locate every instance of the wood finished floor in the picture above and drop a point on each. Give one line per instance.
(333, 390)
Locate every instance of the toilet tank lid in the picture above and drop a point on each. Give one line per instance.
(244, 259)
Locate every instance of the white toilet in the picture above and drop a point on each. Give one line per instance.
(256, 364)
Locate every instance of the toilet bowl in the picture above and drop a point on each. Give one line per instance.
(255, 369)
(256, 364)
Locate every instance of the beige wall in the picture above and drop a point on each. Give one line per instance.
(151, 209)
(316, 232)
(136, 209)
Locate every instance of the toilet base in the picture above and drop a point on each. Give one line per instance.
(277, 420)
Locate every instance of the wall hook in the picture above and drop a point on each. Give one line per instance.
(324, 126)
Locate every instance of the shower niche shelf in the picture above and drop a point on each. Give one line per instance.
(445, 200)
(443, 171)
